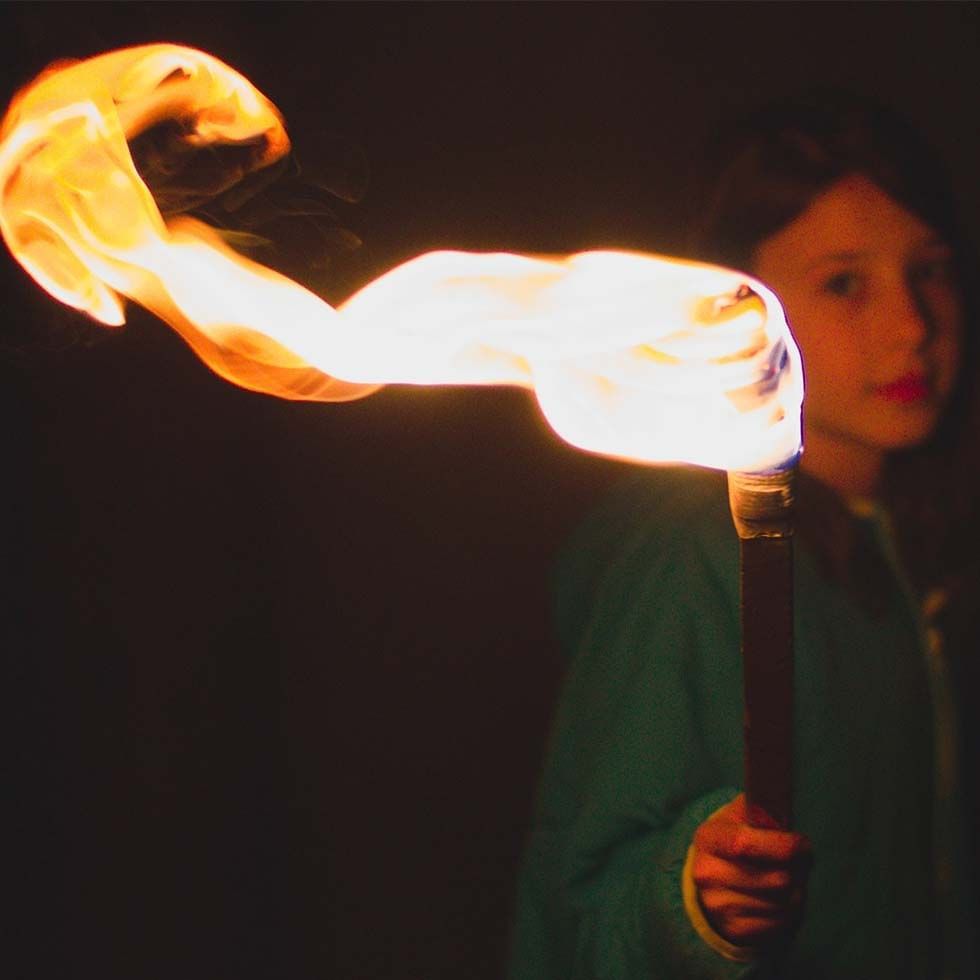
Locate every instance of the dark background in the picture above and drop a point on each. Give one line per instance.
(278, 675)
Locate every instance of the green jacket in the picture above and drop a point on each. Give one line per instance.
(647, 744)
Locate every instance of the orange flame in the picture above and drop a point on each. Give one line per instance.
(637, 356)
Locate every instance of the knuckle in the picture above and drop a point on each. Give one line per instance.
(741, 842)
(721, 905)
(712, 901)
(780, 881)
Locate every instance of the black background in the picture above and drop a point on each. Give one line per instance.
(278, 674)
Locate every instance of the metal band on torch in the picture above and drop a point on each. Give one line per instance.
(762, 509)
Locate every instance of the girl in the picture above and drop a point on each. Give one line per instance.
(641, 863)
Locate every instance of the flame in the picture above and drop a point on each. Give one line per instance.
(637, 356)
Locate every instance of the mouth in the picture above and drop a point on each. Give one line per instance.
(912, 387)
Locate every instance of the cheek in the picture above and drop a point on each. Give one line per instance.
(948, 324)
(949, 353)
(945, 310)
(832, 357)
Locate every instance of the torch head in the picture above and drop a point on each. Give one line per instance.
(762, 503)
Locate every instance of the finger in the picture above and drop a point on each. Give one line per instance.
(745, 921)
(753, 932)
(743, 843)
(726, 903)
(709, 871)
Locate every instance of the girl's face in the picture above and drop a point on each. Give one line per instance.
(869, 294)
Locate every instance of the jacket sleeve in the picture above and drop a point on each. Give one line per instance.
(646, 745)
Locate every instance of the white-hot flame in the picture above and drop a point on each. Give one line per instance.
(630, 355)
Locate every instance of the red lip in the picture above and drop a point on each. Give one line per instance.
(909, 388)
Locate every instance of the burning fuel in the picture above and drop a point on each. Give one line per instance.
(637, 356)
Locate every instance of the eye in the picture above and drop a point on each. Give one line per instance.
(937, 270)
(845, 284)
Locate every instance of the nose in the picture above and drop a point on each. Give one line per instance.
(907, 316)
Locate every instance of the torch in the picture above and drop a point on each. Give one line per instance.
(762, 509)
(645, 358)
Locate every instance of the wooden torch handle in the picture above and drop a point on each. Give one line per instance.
(766, 586)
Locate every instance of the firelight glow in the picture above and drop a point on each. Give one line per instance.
(637, 356)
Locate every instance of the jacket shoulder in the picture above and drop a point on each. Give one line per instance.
(655, 518)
